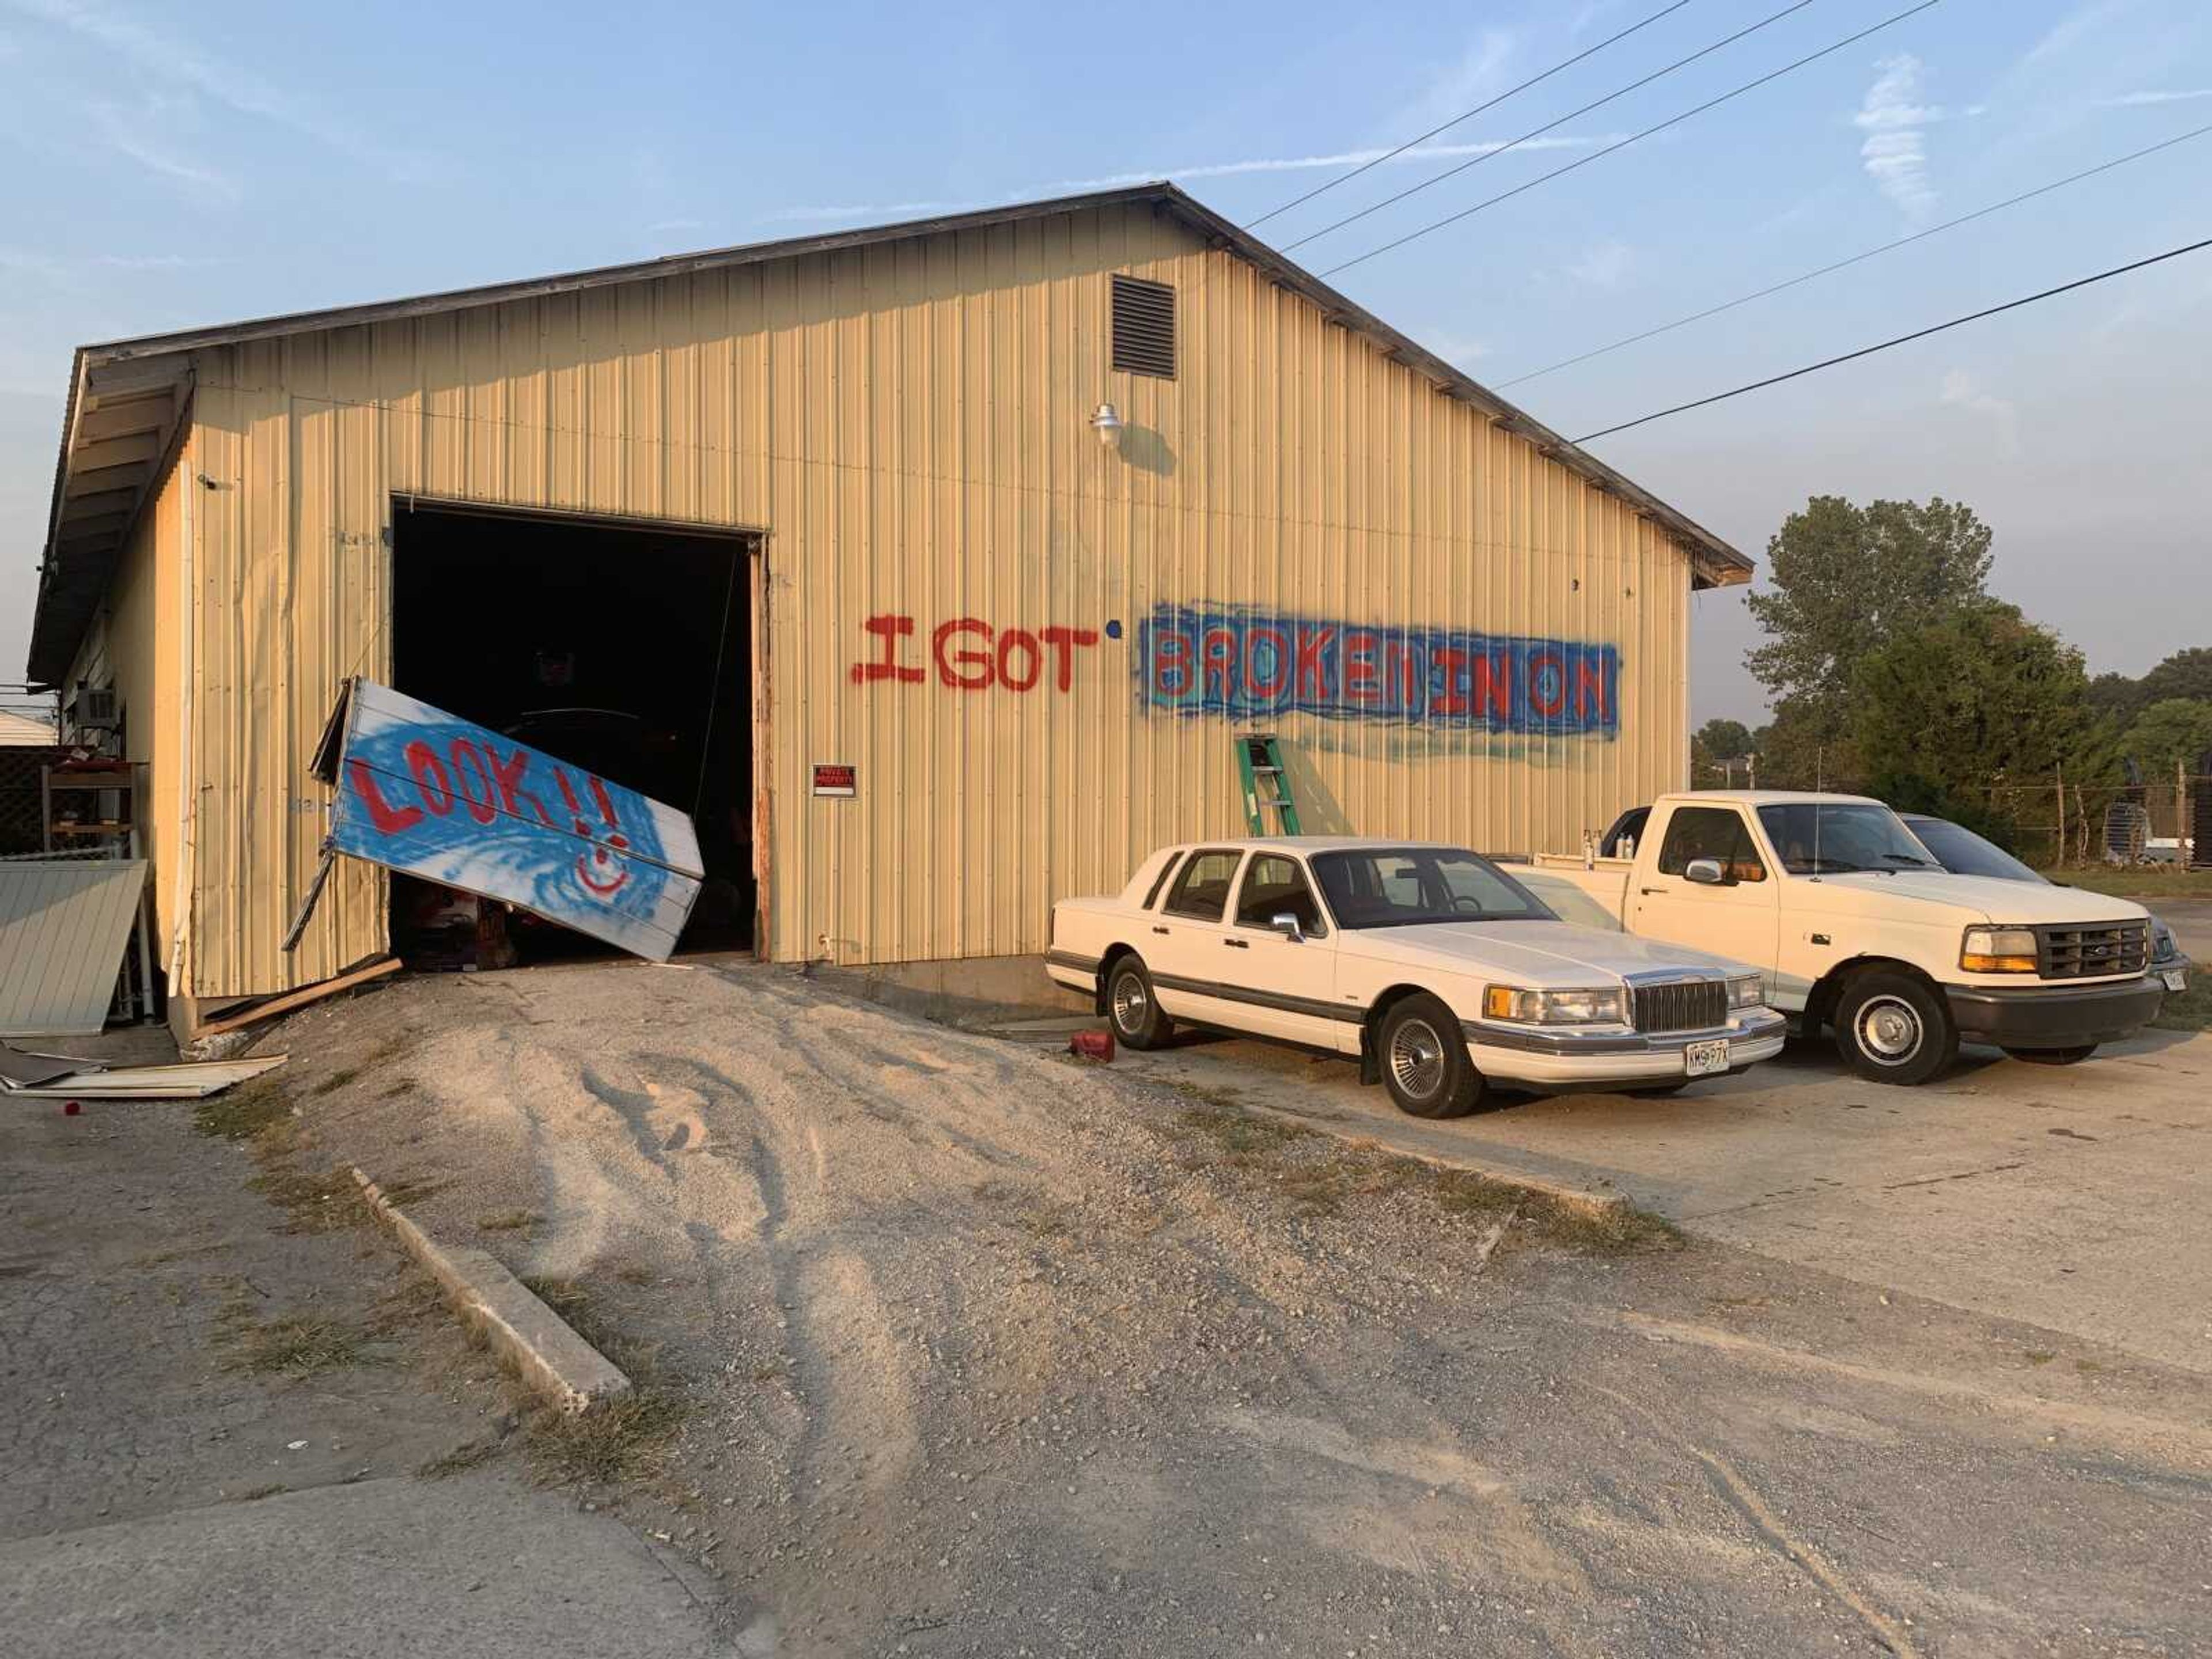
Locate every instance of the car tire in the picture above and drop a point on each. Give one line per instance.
(1424, 1060)
(2073, 1056)
(1132, 1008)
(1891, 1028)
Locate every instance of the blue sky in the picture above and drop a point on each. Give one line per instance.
(170, 166)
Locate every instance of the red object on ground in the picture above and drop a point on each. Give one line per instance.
(70, 1108)
(1092, 1045)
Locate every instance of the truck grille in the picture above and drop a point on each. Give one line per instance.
(2118, 947)
(1685, 1006)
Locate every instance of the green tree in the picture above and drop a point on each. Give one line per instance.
(2173, 729)
(1725, 739)
(1845, 581)
(1979, 698)
(2115, 695)
(2185, 674)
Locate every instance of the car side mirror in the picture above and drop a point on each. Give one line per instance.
(1706, 872)
(1287, 926)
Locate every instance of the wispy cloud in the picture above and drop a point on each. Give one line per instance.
(1894, 153)
(2136, 100)
(1479, 74)
(1961, 391)
(1605, 266)
(1348, 158)
(174, 61)
(129, 136)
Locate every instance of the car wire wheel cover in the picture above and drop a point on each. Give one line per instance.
(1416, 1059)
(1131, 1005)
(1888, 1030)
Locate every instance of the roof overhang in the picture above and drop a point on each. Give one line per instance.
(122, 419)
(127, 398)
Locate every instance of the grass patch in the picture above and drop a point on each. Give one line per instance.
(253, 1494)
(576, 1305)
(404, 1086)
(337, 1080)
(459, 1461)
(406, 1191)
(509, 1221)
(2192, 1010)
(244, 1113)
(327, 1202)
(607, 1445)
(2147, 882)
(1318, 1176)
(293, 1345)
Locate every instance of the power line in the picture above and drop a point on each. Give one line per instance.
(1902, 339)
(1538, 132)
(1467, 115)
(1600, 154)
(1856, 258)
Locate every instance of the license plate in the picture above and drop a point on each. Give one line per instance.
(1705, 1059)
(2177, 979)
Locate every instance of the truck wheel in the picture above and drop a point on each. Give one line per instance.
(1425, 1065)
(1890, 1028)
(1134, 1010)
(2073, 1056)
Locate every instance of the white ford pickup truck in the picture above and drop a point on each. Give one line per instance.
(1857, 928)
(1430, 964)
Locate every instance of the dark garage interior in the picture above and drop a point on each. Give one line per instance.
(621, 647)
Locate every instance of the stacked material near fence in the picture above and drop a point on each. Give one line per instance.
(64, 924)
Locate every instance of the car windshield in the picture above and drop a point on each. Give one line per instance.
(1405, 886)
(1963, 852)
(1818, 838)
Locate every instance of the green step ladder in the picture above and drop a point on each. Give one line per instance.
(1266, 785)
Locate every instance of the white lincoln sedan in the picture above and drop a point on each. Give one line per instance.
(1434, 967)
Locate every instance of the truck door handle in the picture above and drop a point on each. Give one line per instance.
(1237, 944)
(1648, 891)
(1159, 930)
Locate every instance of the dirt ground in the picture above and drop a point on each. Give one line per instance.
(951, 1345)
(234, 1423)
(2067, 1198)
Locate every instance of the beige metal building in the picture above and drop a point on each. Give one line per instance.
(849, 502)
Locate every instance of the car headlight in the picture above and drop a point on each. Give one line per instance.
(1998, 950)
(1746, 991)
(2164, 947)
(1593, 1007)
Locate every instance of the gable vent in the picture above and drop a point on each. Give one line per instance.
(1143, 327)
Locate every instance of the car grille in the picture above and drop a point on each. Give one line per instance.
(1685, 1006)
(2119, 947)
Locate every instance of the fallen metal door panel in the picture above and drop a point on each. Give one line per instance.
(64, 924)
(427, 792)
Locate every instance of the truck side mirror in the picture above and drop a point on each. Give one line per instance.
(1287, 926)
(1706, 872)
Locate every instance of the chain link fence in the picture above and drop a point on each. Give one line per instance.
(2056, 823)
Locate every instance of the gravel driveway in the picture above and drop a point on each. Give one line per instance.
(976, 1351)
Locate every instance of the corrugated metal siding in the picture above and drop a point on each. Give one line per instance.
(134, 645)
(908, 423)
(63, 924)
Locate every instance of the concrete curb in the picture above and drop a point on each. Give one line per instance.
(552, 1358)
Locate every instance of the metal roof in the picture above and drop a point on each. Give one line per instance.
(127, 398)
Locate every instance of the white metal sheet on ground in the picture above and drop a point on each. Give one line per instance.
(189, 1080)
(64, 924)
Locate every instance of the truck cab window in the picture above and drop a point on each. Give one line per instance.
(1711, 832)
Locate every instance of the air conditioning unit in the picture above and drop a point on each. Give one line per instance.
(92, 711)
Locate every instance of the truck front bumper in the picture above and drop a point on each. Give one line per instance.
(1556, 1060)
(2054, 1016)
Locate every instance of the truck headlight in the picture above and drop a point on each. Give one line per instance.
(1746, 991)
(1594, 1007)
(1998, 950)
(2163, 945)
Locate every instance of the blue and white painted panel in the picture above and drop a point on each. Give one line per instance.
(436, 796)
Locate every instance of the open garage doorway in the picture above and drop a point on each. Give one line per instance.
(625, 647)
